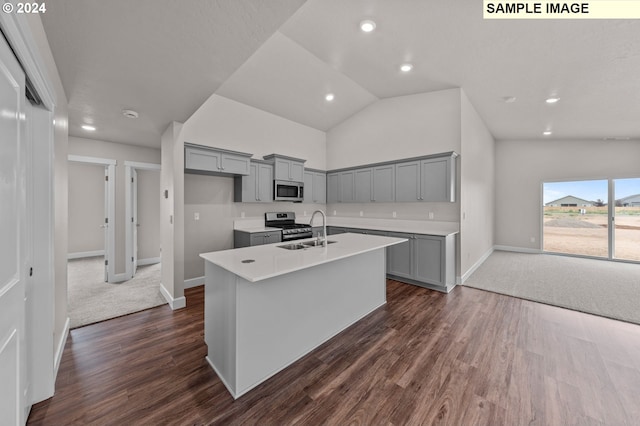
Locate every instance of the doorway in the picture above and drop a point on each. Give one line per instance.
(92, 210)
(592, 218)
(142, 211)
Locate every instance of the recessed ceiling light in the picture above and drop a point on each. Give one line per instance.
(129, 113)
(88, 128)
(509, 99)
(552, 100)
(546, 132)
(330, 97)
(367, 26)
(406, 67)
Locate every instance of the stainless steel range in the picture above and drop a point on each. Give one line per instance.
(287, 222)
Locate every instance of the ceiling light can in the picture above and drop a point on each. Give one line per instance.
(367, 25)
(330, 96)
(552, 100)
(88, 128)
(406, 67)
(129, 113)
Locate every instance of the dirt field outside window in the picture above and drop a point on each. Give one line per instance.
(583, 230)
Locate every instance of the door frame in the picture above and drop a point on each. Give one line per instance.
(129, 166)
(110, 208)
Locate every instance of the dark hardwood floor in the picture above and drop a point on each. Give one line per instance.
(467, 358)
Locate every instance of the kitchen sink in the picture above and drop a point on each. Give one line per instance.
(306, 244)
(315, 243)
(293, 246)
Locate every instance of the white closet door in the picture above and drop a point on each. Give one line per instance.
(13, 244)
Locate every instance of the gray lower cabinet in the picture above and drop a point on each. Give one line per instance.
(257, 187)
(400, 257)
(246, 239)
(205, 160)
(333, 230)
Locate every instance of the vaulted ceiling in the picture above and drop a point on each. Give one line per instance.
(164, 58)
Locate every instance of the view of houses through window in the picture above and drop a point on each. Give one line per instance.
(576, 218)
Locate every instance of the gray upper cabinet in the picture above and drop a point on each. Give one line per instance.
(384, 186)
(363, 185)
(315, 187)
(408, 181)
(257, 187)
(431, 179)
(333, 193)
(287, 168)
(204, 160)
(346, 185)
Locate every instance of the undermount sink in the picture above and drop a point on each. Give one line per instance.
(306, 244)
(316, 243)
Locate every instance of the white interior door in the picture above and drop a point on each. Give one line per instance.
(13, 244)
(134, 222)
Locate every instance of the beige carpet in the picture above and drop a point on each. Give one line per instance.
(91, 300)
(609, 289)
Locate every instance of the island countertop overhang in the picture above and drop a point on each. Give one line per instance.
(261, 262)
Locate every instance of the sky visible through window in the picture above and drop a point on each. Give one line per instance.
(590, 190)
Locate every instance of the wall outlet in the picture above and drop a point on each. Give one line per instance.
(334, 212)
(361, 213)
(532, 239)
(304, 213)
(431, 215)
(242, 215)
(196, 216)
(394, 214)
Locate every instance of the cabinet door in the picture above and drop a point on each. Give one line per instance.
(257, 239)
(309, 190)
(435, 180)
(272, 237)
(428, 259)
(234, 164)
(265, 183)
(408, 181)
(347, 190)
(283, 169)
(250, 185)
(363, 184)
(296, 171)
(384, 183)
(201, 159)
(319, 188)
(333, 181)
(400, 257)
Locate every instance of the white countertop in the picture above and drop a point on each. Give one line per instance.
(271, 260)
(427, 227)
(430, 227)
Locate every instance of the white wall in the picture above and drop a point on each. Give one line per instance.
(120, 153)
(86, 207)
(223, 123)
(477, 193)
(392, 129)
(522, 167)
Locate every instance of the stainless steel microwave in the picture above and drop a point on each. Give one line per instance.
(284, 190)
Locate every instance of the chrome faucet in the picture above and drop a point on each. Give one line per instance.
(324, 226)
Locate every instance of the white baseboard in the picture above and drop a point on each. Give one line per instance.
(193, 282)
(60, 348)
(517, 249)
(177, 303)
(149, 261)
(476, 265)
(82, 254)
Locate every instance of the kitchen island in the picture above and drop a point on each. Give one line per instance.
(266, 306)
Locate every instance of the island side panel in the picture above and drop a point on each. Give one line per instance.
(220, 322)
(281, 319)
